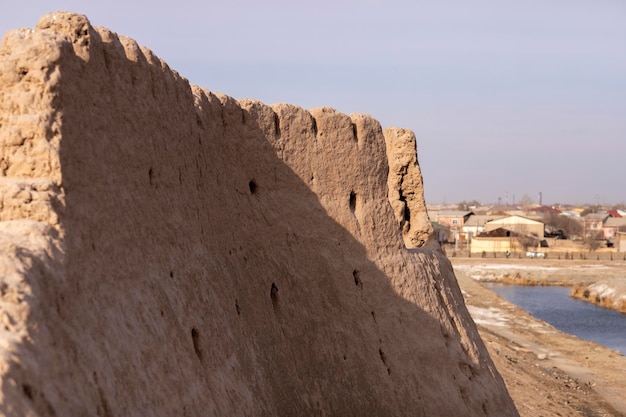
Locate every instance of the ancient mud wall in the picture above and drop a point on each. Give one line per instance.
(169, 251)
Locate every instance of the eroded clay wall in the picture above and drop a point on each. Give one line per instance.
(180, 252)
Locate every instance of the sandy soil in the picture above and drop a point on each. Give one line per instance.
(547, 372)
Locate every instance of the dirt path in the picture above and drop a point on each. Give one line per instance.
(547, 372)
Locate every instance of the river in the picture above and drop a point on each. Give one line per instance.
(584, 320)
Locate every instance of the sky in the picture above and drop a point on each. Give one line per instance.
(507, 98)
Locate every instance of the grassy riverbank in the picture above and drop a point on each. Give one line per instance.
(604, 293)
(547, 372)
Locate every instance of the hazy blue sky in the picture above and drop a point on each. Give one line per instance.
(505, 97)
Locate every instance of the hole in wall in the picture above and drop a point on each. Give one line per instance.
(354, 132)
(407, 212)
(357, 278)
(352, 201)
(237, 308)
(383, 357)
(195, 338)
(28, 391)
(276, 125)
(253, 187)
(314, 125)
(150, 173)
(274, 295)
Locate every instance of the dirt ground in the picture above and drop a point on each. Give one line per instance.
(547, 372)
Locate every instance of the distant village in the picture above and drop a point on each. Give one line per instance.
(531, 230)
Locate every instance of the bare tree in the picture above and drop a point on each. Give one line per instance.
(593, 241)
(525, 201)
(526, 241)
(465, 205)
(524, 238)
(566, 226)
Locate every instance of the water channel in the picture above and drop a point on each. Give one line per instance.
(584, 320)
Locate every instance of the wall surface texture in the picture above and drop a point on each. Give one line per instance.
(166, 250)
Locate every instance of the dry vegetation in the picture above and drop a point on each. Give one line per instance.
(582, 292)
